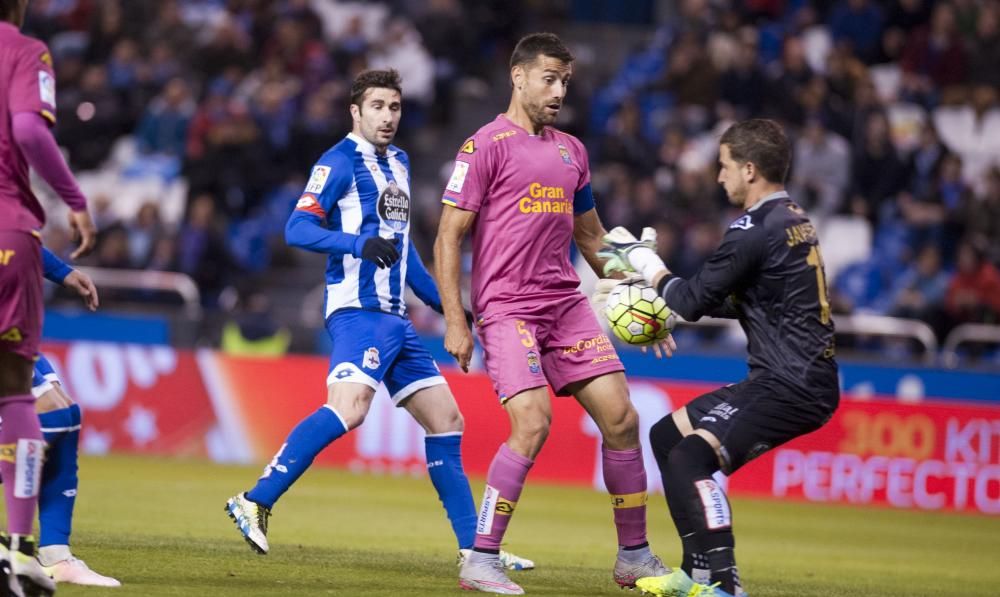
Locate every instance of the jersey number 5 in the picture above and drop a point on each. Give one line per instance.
(815, 259)
(526, 339)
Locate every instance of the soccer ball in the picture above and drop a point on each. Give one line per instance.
(637, 314)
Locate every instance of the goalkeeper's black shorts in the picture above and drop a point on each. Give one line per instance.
(757, 415)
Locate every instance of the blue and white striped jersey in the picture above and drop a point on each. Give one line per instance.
(353, 194)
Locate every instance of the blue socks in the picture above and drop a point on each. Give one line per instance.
(308, 439)
(61, 429)
(444, 465)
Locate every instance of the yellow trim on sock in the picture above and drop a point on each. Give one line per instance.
(629, 500)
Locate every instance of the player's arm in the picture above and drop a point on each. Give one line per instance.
(306, 227)
(709, 292)
(420, 281)
(56, 270)
(32, 104)
(588, 234)
(452, 229)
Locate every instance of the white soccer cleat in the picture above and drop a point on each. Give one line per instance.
(507, 560)
(251, 520)
(484, 572)
(75, 571)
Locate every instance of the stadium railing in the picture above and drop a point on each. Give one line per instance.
(861, 325)
(156, 281)
(979, 333)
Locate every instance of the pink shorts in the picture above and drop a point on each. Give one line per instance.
(21, 305)
(556, 344)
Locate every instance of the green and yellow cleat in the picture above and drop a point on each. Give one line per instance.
(677, 584)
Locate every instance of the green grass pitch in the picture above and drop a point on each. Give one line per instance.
(159, 526)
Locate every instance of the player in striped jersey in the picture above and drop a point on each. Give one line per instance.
(60, 419)
(356, 209)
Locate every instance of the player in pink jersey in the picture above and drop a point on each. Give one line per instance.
(27, 109)
(523, 189)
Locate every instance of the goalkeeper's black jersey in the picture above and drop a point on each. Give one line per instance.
(768, 274)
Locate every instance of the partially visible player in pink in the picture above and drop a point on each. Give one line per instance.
(523, 188)
(27, 109)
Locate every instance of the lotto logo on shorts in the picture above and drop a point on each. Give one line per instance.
(533, 363)
(715, 504)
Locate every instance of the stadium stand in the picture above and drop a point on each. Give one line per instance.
(197, 121)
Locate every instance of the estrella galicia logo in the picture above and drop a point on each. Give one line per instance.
(394, 207)
(533, 363)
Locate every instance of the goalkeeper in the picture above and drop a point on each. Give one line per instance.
(768, 274)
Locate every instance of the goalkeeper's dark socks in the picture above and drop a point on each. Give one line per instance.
(722, 561)
(694, 563)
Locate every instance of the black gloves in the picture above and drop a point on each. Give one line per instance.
(380, 251)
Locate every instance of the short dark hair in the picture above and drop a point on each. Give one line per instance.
(369, 79)
(761, 142)
(539, 44)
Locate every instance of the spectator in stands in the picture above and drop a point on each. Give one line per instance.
(202, 250)
(144, 231)
(625, 142)
(908, 15)
(857, 24)
(919, 292)
(743, 85)
(692, 79)
(876, 170)
(787, 80)
(112, 248)
(982, 216)
(973, 295)
(315, 126)
(934, 58)
(924, 162)
(936, 217)
(984, 47)
(820, 169)
(164, 127)
(90, 119)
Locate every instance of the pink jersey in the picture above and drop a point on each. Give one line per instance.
(526, 190)
(27, 84)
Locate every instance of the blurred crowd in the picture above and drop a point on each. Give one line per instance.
(236, 99)
(893, 114)
(892, 108)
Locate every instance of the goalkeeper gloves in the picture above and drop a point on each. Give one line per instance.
(625, 253)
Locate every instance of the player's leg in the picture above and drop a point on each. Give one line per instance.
(21, 445)
(731, 427)
(61, 421)
(415, 383)
(530, 414)
(664, 436)
(580, 360)
(605, 398)
(365, 345)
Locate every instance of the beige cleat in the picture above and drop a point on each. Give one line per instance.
(484, 572)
